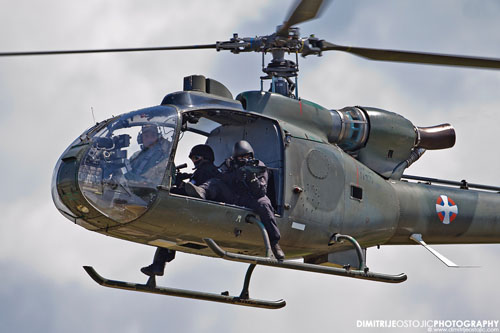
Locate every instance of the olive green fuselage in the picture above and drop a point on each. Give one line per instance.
(320, 190)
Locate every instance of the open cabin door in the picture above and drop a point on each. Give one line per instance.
(221, 129)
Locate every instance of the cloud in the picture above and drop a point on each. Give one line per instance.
(46, 102)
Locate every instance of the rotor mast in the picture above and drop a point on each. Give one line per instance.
(281, 71)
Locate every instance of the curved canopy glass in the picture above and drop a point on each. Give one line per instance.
(126, 162)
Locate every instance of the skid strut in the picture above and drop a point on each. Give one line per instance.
(362, 261)
(151, 287)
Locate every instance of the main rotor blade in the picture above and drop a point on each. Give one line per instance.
(415, 57)
(141, 49)
(304, 11)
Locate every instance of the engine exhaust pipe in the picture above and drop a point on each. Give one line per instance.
(436, 137)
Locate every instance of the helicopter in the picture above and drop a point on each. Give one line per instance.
(300, 190)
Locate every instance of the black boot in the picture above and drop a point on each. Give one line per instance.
(162, 256)
(154, 269)
(277, 251)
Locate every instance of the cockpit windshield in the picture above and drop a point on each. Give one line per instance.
(127, 161)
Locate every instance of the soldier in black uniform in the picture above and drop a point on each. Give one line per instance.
(243, 183)
(202, 157)
(203, 160)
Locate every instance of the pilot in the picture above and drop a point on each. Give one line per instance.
(203, 160)
(143, 162)
(243, 183)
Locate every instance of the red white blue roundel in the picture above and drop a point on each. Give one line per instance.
(446, 209)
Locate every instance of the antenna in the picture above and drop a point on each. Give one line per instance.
(93, 117)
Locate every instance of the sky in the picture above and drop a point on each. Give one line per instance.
(46, 102)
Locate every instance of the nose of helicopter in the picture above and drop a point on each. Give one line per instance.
(105, 177)
(56, 195)
(66, 193)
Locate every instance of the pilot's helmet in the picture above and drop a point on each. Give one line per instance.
(204, 151)
(242, 148)
(150, 129)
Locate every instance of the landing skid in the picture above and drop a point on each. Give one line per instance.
(269, 260)
(152, 288)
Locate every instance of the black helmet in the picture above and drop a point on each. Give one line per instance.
(204, 151)
(242, 148)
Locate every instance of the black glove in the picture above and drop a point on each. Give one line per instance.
(229, 163)
(241, 175)
(180, 176)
